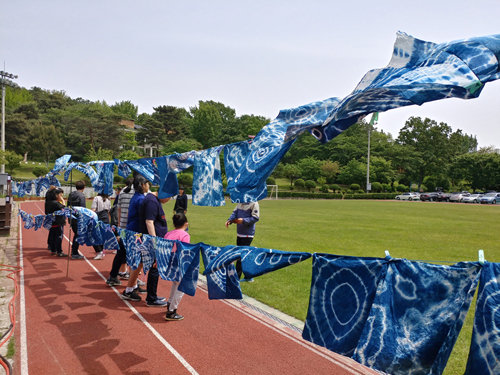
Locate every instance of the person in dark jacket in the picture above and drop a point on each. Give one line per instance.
(245, 215)
(56, 203)
(181, 202)
(76, 199)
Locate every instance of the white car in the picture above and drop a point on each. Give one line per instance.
(472, 198)
(408, 197)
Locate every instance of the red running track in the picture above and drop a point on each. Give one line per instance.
(77, 324)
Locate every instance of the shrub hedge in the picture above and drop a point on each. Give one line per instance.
(307, 195)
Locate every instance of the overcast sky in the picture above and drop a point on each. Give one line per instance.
(255, 56)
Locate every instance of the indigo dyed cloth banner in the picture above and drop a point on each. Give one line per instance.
(404, 317)
(104, 170)
(207, 178)
(223, 283)
(418, 72)
(484, 355)
(132, 241)
(255, 261)
(182, 265)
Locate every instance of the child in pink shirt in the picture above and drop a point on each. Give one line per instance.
(179, 234)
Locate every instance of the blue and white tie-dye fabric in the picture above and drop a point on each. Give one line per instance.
(147, 249)
(341, 296)
(234, 156)
(223, 283)
(168, 180)
(416, 317)
(86, 169)
(60, 163)
(393, 315)
(270, 145)
(178, 162)
(123, 168)
(146, 167)
(418, 72)
(484, 355)
(39, 220)
(28, 219)
(104, 171)
(207, 179)
(182, 265)
(132, 242)
(255, 261)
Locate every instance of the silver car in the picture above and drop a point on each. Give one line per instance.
(472, 198)
(408, 197)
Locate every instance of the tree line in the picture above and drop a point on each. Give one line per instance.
(44, 124)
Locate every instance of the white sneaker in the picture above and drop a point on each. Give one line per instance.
(99, 256)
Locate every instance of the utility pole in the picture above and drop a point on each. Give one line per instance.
(5, 81)
(373, 121)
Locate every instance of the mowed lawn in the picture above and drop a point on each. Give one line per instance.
(431, 232)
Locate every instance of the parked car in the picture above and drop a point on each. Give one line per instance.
(408, 197)
(443, 197)
(429, 196)
(492, 198)
(457, 197)
(472, 198)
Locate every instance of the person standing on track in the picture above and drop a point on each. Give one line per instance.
(101, 206)
(153, 223)
(76, 199)
(245, 215)
(179, 233)
(56, 203)
(120, 258)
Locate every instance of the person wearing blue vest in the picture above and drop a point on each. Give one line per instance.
(245, 215)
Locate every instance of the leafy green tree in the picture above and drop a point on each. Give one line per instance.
(151, 131)
(430, 142)
(101, 154)
(15, 96)
(128, 155)
(310, 185)
(291, 172)
(88, 126)
(212, 123)
(46, 143)
(353, 172)
(40, 171)
(299, 183)
(330, 170)
(126, 109)
(181, 146)
(50, 99)
(174, 121)
(11, 160)
(310, 167)
(18, 132)
(381, 170)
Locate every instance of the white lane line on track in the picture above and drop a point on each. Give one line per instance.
(160, 338)
(22, 310)
(286, 335)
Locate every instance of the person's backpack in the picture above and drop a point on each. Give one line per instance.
(114, 215)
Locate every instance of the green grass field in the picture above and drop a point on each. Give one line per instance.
(431, 232)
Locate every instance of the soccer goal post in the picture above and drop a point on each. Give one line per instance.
(274, 191)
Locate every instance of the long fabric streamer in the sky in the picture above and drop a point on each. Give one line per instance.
(418, 72)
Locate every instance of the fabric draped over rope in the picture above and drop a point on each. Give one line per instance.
(484, 355)
(402, 316)
(394, 315)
